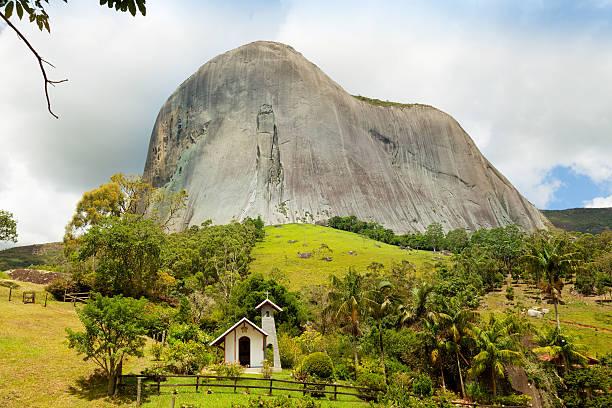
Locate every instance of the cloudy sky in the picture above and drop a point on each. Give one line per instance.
(530, 81)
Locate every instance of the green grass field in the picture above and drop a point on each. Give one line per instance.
(276, 251)
(576, 310)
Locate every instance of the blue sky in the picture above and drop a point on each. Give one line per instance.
(530, 81)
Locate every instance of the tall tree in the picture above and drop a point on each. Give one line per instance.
(550, 258)
(114, 329)
(8, 227)
(457, 324)
(498, 349)
(380, 303)
(347, 301)
(418, 306)
(434, 235)
(128, 251)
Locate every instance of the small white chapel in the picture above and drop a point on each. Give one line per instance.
(246, 343)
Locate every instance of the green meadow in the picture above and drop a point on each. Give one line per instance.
(277, 255)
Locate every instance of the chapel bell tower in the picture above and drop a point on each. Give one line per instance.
(268, 308)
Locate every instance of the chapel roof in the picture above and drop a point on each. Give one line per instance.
(269, 302)
(219, 339)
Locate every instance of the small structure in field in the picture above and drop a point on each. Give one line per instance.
(245, 343)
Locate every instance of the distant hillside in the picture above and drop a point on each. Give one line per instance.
(278, 255)
(592, 220)
(24, 256)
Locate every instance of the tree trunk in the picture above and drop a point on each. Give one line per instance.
(382, 353)
(557, 314)
(355, 361)
(494, 383)
(460, 376)
(110, 385)
(442, 374)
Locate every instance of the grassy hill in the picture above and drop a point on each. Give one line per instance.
(24, 256)
(277, 256)
(592, 220)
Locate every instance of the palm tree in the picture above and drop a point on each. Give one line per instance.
(498, 349)
(550, 259)
(347, 304)
(380, 302)
(561, 347)
(418, 308)
(457, 327)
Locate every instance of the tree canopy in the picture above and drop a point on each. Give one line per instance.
(8, 227)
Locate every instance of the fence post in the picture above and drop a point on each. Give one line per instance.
(138, 391)
(10, 291)
(172, 406)
(197, 383)
(335, 391)
(235, 381)
(65, 295)
(304, 393)
(158, 385)
(271, 385)
(46, 294)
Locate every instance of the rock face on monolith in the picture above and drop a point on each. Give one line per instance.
(260, 130)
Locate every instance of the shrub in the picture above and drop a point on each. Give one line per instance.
(289, 349)
(343, 372)
(319, 365)
(232, 370)
(422, 386)
(182, 333)
(156, 351)
(58, 287)
(374, 382)
(267, 369)
(186, 358)
(510, 293)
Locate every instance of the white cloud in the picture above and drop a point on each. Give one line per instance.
(599, 202)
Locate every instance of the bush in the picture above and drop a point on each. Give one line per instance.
(374, 382)
(182, 333)
(319, 365)
(343, 372)
(422, 386)
(58, 287)
(156, 351)
(228, 370)
(289, 350)
(267, 369)
(510, 293)
(187, 358)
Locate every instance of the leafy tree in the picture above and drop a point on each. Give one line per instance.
(347, 300)
(380, 304)
(457, 240)
(35, 11)
(550, 259)
(8, 227)
(128, 251)
(114, 329)
(561, 347)
(497, 350)
(434, 235)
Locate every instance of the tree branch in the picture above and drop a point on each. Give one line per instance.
(40, 64)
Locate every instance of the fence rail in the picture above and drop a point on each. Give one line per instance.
(82, 297)
(157, 382)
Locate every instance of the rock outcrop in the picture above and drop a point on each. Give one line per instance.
(260, 130)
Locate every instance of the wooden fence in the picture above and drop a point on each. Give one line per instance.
(76, 297)
(204, 381)
(156, 382)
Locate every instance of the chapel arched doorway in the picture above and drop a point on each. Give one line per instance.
(244, 351)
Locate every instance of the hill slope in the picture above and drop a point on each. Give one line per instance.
(592, 220)
(24, 256)
(283, 243)
(260, 130)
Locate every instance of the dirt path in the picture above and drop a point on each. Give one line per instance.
(586, 326)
